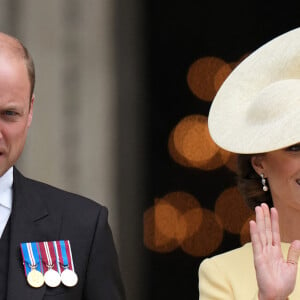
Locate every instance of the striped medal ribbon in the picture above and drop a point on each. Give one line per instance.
(32, 264)
(50, 262)
(68, 276)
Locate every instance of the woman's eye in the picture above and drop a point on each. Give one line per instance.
(294, 148)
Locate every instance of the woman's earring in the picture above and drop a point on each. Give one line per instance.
(264, 183)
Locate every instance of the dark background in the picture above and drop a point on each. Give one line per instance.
(177, 33)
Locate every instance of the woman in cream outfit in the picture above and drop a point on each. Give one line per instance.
(256, 114)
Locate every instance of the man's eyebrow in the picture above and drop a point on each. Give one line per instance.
(9, 106)
(12, 107)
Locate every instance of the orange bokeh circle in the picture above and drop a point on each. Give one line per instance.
(174, 218)
(208, 237)
(201, 76)
(232, 210)
(245, 231)
(190, 145)
(221, 75)
(153, 238)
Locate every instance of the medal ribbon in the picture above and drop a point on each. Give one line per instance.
(49, 256)
(31, 257)
(65, 254)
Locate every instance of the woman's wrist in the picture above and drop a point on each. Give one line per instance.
(261, 297)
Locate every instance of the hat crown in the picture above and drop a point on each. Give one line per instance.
(274, 102)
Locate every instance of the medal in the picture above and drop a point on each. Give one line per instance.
(51, 276)
(68, 276)
(35, 278)
(32, 264)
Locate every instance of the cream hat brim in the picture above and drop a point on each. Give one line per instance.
(257, 108)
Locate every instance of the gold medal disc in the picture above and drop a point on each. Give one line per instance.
(35, 278)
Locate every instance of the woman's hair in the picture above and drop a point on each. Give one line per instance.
(249, 183)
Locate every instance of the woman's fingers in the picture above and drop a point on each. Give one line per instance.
(267, 219)
(275, 227)
(266, 229)
(260, 225)
(255, 239)
(294, 253)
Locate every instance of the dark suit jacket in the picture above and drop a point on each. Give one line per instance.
(44, 213)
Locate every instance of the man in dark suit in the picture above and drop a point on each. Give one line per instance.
(33, 212)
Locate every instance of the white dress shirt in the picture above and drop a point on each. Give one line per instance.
(6, 195)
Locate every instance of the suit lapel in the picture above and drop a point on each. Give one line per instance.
(30, 222)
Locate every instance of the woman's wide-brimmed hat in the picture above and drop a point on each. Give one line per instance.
(257, 108)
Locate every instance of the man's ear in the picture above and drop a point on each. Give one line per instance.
(30, 110)
(257, 164)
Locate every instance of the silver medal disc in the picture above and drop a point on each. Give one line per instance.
(52, 278)
(69, 278)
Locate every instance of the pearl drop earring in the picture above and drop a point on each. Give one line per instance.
(264, 183)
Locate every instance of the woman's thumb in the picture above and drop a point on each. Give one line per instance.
(294, 252)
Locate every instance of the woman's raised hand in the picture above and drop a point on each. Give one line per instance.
(276, 277)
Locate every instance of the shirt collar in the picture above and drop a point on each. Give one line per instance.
(6, 182)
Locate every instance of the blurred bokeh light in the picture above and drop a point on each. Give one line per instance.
(232, 210)
(190, 145)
